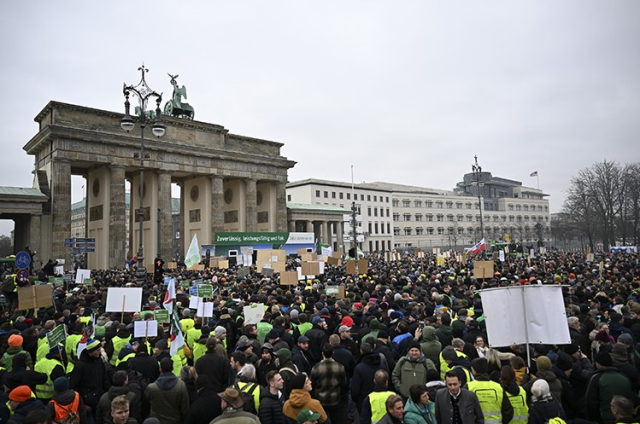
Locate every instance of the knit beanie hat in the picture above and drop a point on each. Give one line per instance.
(15, 340)
(414, 344)
(61, 384)
(219, 331)
(540, 388)
(480, 365)
(543, 363)
(20, 393)
(297, 381)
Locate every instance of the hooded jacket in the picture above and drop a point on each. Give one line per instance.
(301, 399)
(104, 405)
(20, 375)
(362, 382)
(408, 372)
(89, 378)
(169, 399)
(430, 345)
(205, 408)
(414, 415)
(23, 409)
(64, 399)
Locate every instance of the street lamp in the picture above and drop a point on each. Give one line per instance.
(477, 171)
(143, 93)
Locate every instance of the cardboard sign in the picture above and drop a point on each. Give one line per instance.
(223, 264)
(278, 266)
(311, 268)
(288, 277)
(32, 297)
(308, 257)
(55, 336)
(161, 316)
(124, 299)
(335, 291)
(483, 269)
(253, 313)
(197, 267)
(268, 272)
(363, 266)
(351, 266)
(334, 261)
(145, 328)
(243, 272)
(302, 251)
(172, 265)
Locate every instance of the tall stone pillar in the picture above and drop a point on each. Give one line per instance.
(165, 210)
(217, 203)
(252, 206)
(326, 237)
(309, 226)
(281, 206)
(34, 239)
(60, 208)
(117, 218)
(340, 235)
(183, 211)
(292, 226)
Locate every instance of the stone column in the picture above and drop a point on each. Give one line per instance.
(252, 207)
(183, 211)
(309, 226)
(217, 202)
(340, 236)
(165, 210)
(281, 206)
(292, 226)
(117, 218)
(34, 239)
(60, 208)
(326, 237)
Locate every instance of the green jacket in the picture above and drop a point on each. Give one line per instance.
(407, 373)
(603, 386)
(414, 415)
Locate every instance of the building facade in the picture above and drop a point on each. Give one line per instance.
(400, 216)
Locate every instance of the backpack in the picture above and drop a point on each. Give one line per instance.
(67, 414)
(7, 285)
(249, 403)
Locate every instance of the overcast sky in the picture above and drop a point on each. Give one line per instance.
(406, 91)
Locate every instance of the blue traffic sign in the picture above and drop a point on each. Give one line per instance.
(68, 242)
(23, 260)
(86, 240)
(22, 275)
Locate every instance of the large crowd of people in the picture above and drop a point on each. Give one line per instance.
(406, 343)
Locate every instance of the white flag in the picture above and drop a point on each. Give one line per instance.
(193, 254)
(176, 339)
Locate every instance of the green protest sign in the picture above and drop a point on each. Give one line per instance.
(57, 281)
(332, 291)
(205, 290)
(185, 283)
(88, 282)
(55, 336)
(162, 316)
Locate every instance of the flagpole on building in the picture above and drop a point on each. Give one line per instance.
(538, 179)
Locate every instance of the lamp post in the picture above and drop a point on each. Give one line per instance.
(477, 171)
(143, 93)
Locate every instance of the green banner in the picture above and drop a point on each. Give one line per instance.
(56, 281)
(276, 239)
(55, 336)
(162, 316)
(331, 290)
(185, 283)
(88, 282)
(205, 290)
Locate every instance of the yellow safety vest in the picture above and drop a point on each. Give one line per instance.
(199, 350)
(85, 319)
(71, 345)
(520, 408)
(246, 387)
(118, 344)
(263, 329)
(444, 367)
(43, 349)
(490, 396)
(378, 402)
(126, 358)
(46, 366)
(303, 328)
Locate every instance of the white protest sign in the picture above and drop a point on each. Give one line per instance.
(195, 302)
(81, 274)
(59, 270)
(253, 313)
(124, 299)
(145, 328)
(501, 253)
(544, 318)
(205, 309)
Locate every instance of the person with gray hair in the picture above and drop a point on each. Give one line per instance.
(543, 407)
(622, 409)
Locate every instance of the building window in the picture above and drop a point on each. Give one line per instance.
(375, 198)
(326, 194)
(510, 207)
(362, 197)
(459, 218)
(387, 212)
(449, 205)
(406, 203)
(428, 203)
(439, 204)
(370, 227)
(388, 228)
(407, 231)
(526, 208)
(348, 196)
(395, 203)
(317, 193)
(375, 211)
(417, 203)
(368, 197)
(369, 211)
(376, 228)
(449, 230)
(386, 199)
(407, 217)
(430, 231)
(511, 218)
(518, 207)
(459, 205)
(440, 230)
(396, 231)
(419, 231)
(468, 205)
(288, 197)
(418, 217)
(460, 230)
(341, 195)
(450, 218)
(396, 216)
(440, 217)
(333, 194)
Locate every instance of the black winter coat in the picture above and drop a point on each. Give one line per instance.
(216, 368)
(146, 365)
(90, 378)
(206, 407)
(362, 381)
(270, 411)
